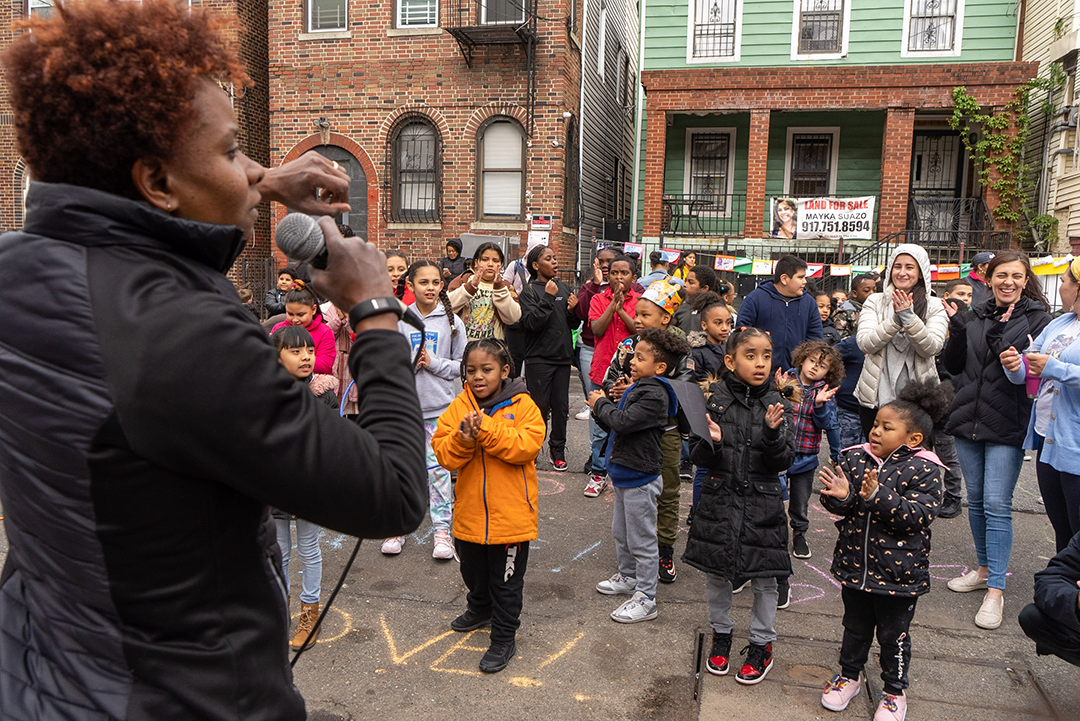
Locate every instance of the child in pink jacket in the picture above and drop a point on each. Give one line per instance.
(302, 309)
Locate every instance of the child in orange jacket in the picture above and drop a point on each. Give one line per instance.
(491, 435)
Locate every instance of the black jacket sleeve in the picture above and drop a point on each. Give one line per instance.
(955, 353)
(275, 304)
(1056, 592)
(209, 399)
(646, 408)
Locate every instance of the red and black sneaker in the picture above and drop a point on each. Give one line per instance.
(758, 663)
(558, 462)
(717, 664)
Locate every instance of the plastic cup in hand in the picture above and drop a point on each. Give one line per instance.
(1030, 381)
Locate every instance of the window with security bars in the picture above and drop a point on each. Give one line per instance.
(811, 164)
(418, 13)
(501, 155)
(821, 26)
(326, 15)
(932, 26)
(710, 154)
(39, 8)
(416, 173)
(714, 28)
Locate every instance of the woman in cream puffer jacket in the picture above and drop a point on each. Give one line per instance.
(899, 345)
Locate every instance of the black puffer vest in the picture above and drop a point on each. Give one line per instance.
(740, 527)
(989, 408)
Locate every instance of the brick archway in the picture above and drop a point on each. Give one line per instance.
(489, 111)
(415, 109)
(346, 143)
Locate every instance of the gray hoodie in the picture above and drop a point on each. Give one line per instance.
(436, 385)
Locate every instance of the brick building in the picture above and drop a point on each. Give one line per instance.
(451, 117)
(747, 105)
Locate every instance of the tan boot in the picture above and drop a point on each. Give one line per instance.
(309, 614)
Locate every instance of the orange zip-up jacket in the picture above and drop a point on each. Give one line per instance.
(496, 492)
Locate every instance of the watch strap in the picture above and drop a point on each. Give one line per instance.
(375, 306)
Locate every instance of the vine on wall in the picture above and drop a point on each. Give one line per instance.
(999, 152)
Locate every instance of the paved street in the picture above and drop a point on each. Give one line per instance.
(388, 652)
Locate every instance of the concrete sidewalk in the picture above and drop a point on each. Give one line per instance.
(387, 651)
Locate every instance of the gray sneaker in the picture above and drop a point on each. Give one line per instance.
(639, 608)
(617, 585)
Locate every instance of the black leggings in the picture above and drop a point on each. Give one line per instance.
(891, 617)
(1061, 496)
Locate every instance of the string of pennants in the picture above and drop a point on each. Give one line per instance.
(753, 266)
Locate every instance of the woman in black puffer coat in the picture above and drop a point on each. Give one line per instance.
(989, 417)
(740, 527)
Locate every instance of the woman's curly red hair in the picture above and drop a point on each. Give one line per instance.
(104, 83)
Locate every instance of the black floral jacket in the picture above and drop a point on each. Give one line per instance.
(884, 543)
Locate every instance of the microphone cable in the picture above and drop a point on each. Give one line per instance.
(417, 322)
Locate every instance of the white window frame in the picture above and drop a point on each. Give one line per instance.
(601, 46)
(958, 36)
(691, 16)
(402, 26)
(796, 14)
(481, 187)
(834, 158)
(688, 150)
(32, 5)
(307, 19)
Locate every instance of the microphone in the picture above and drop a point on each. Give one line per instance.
(300, 238)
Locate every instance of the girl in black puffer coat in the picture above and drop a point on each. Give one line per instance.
(740, 528)
(886, 492)
(989, 418)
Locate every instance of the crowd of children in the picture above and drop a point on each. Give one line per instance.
(776, 375)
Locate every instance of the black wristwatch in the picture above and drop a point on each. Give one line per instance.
(375, 306)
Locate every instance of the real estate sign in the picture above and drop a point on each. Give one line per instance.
(824, 218)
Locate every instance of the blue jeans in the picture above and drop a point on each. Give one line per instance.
(307, 544)
(833, 434)
(991, 472)
(699, 479)
(584, 365)
(850, 428)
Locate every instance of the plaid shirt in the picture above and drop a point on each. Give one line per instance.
(810, 420)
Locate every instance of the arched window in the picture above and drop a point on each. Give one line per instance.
(22, 187)
(500, 186)
(356, 218)
(415, 157)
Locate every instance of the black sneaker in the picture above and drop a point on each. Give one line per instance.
(799, 549)
(686, 470)
(558, 462)
(739, 584)
(783, 593)
(690, 517)
(668, 574)
(950, 507)
(720, 655)
(498, 657)
(470, 620)
(758, 663)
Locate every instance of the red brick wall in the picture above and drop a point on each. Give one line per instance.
(365, 83)
(895, 169)
(11, 199)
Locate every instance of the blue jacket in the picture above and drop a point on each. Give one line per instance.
(789, 321)
(853, 358)
(1062, 446)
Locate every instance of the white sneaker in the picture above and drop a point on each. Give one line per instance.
(392, 546)
(583, 414)
(617, 585)
(595, 486)
(639, 608)
(970, 581)
(989, 615)
(444, 546)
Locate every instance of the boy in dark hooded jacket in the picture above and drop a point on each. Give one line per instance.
(635, 462)
(782, 308)
(453, 264)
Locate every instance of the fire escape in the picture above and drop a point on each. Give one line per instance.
(475, 23)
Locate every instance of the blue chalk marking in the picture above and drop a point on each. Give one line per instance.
(586, 551)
